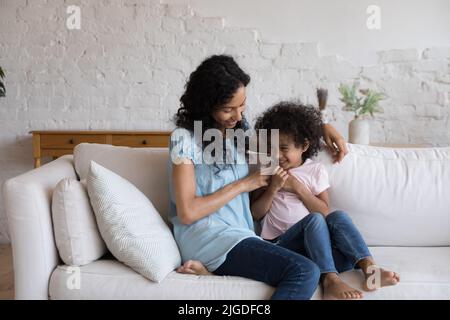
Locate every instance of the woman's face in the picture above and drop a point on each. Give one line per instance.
(228, 115)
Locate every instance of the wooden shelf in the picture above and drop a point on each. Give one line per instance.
(59, 143)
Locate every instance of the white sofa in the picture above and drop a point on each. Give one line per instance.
(399, 199)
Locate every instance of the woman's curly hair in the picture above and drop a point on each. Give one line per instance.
(300, 122)
(211, 85)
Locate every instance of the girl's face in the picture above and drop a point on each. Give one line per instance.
(228, 115)
(290, 155)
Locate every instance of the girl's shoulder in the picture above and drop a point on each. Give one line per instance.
(312, 167)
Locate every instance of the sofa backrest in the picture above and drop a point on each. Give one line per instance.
(146, 168)
(396, 197)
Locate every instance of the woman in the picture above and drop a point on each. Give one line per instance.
(209, 203)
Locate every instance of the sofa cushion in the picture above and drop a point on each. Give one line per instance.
(396, 197)
(146, 168)
(424, 275)
(76, 233)
(132, 229)
(110, 279)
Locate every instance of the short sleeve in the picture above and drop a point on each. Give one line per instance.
(182, 146)
(320, 180)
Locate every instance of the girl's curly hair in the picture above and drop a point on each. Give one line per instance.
(211, 85)
(300, 122)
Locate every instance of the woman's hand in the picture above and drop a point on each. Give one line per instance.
(255, 181)
(278, 179)
(335, 142)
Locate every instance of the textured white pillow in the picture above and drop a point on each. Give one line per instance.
(133, 230)
(76, 234)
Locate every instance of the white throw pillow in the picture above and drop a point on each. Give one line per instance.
(76, 233)
(133, 230)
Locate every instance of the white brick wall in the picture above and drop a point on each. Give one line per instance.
(126, 68)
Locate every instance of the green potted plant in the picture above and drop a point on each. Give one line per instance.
(362, 103)
(2, 86)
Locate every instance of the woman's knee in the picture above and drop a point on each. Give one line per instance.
(306, 270)
(314, 272)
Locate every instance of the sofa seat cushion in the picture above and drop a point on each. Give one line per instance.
(424, 275)
(110, 279)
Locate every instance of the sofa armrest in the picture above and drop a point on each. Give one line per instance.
(27, 201)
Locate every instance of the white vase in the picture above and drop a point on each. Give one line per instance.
(359, 131)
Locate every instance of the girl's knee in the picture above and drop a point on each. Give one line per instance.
(337, 215)
(315, 219)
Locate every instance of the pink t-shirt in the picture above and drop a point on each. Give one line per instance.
(287, 209)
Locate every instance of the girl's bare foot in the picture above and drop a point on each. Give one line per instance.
(377, 277)
(336, 289)
(194, 267)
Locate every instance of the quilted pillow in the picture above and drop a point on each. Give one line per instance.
(131, 227)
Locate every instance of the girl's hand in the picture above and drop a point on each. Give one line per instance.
(278, 179)
(255, 181)
(292, 184)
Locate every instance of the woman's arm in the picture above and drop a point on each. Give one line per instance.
(191, 207)
(335, 142)
(313, 203)
(262, 203)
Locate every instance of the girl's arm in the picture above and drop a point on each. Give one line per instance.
(263, 198)
(313, 203)
(191, 207)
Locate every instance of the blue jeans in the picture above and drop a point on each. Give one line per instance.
(294, 276)
(333, 243)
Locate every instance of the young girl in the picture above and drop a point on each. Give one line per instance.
(294, 208)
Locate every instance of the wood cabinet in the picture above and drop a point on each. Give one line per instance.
(59, 143)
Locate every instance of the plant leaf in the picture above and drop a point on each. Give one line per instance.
(2, 89)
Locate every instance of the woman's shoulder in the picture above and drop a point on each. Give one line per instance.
(181, 132)
(181, 136)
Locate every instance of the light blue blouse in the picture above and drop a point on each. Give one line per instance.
(212, 237)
